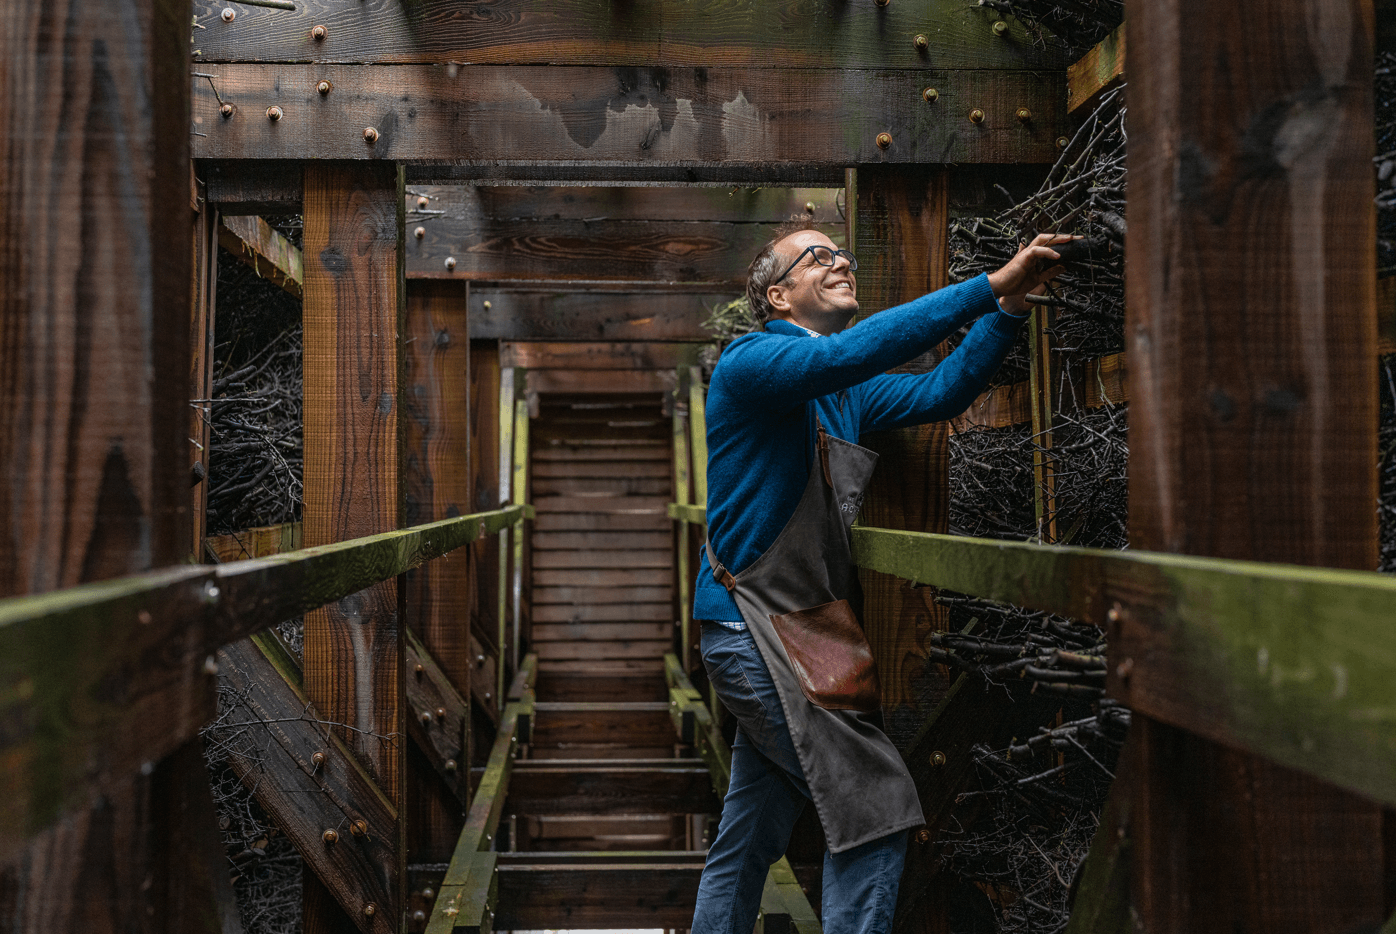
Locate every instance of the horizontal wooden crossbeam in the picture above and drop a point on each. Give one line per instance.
(561, 312)
(567, 786)
(270, 254)
(672, 33)
(496, 117)
(574, 891)
(155, 633)
(1292, 663)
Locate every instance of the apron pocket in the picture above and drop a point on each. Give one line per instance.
(831, 656)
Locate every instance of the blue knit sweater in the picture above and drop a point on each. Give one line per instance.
(761, 425)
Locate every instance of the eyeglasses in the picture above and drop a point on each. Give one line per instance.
(823, 256)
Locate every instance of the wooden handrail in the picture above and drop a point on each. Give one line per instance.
(1292, 663)
(156, 634)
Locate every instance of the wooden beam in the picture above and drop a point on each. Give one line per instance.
(671, 33)
(437, 483)
(499, 116)
(1273, 461)
(551, 786)
(1100, 68)
(596, 356)
(565, 312)
(308, 799)
(201, 331)
(571, 382)
(353, 321)
(270, 254)
(575, 892)
(263, 187)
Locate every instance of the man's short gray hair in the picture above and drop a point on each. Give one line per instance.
(762, 272)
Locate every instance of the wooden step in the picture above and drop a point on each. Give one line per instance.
(560, 891)
(559, 725)
(586, 786)
(647, 685)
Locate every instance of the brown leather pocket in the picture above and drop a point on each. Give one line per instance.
(831, 656)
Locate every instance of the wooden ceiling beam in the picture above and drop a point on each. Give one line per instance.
(673, 33)
(558, 314)
(667, 122)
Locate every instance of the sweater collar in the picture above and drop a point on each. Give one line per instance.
(782, 326)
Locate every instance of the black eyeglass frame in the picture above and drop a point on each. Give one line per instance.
(833, 258)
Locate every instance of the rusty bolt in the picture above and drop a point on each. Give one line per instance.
(359, 827)
(274, 112)
(1116, 611)
(426, 718)
(976, 116)
(370, 135)
(226, 110)
(419, 916)
(809, 207)
(1062, 142)
(922, 43)
(422, 203)
(441, 713)
(330, 836)
(428, 893)
(324, 87)
(1000, 28)
(1024, 115)
(419, 233)
(318, 759)
(488, 306)
(450, 263)
(450, 765)
(228, 14)
(487, 695)
(923, 836)
(937, 758)
(370, 910)
(318, 32)
(418, 670)
(884, 140)
(930, 95)
(144, 618)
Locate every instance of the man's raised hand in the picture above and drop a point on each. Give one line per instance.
(1025, 273)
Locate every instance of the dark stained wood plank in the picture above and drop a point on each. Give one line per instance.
(600, 632)
(635, 724)
(1270, 461)
(594, 203)
(570, 595)
(590, 652)
(617, 559)
(616, 468)
(632, 686)
(643, 450)
(614, 505)
(437, 720)
(601, 577)
(664, 121)
(558, 314)
(655, 895)
(590, 668)
(610, 355)
(636, 612)
(352, 309)
(262, 187)
(582, 521)
(617, 486)
(824, 34)
(599, 381)
(574, 788)
(306, 798)
(201, 330)
(604, 541)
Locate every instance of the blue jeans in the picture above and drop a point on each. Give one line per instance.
(767, 793)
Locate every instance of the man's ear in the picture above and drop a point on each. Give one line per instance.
(779, 300)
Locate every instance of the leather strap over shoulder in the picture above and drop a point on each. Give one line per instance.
(720, 573)
(822, 444)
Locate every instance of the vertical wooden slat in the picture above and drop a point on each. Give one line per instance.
(484, 404)
(1250, 328)
(507, 383)
(681, 484)
(519, 497)
(352, 318)
(437, 484)
(205, 278)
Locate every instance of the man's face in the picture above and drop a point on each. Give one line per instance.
(821, 298)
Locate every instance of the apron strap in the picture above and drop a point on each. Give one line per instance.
(822, 444)
(720, 573)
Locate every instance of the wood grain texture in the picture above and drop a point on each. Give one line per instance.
(1098, 69)
(201, 330)
(352, 318)
(553, 314)
(488, 117)
(1251, 240)
(552, 787)
(581, 355)
(267, 251)
(821, 34)
(255, 188)
(902, 244)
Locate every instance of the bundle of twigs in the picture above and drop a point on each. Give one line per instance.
(1386, 464)
(1078, 24)
(1386, 163)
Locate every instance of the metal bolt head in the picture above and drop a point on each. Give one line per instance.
(450, 765)
(809, 207)
(923, 836)
(422, 203)
(884, 140)
(274, 112)
(441, 713)
(487, 695)
(976, 116)
(428, 893)
(359, 827)
(1062, 142)
(370, 910)
(370, 135)
(488, 306)
(1124, 669)
(930, 95)
(330, 836)
(1116, 611)
(419, 916)
(426, 718)
(921, 43)
(450, 262)
(228, 14)
(1024, 115)
(938, 758)
(1000, 27)
(226, 110)
(318, 759)
(324, 87)
(144, 618)
(419, 233)
(418, 669)
(210, 666)
(318, 32)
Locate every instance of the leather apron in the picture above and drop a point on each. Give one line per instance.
(860, 786)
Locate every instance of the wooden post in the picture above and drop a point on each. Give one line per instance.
(437, 484)
(507, 383)
(683, 568)
(205, 277)
(484, 439)
(94, 424)
(353, 321)
(1251, 328)
(520, 496)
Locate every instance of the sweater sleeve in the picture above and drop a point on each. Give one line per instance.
(784, 371)
(895, 400)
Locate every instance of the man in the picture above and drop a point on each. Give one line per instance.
(785, 409)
